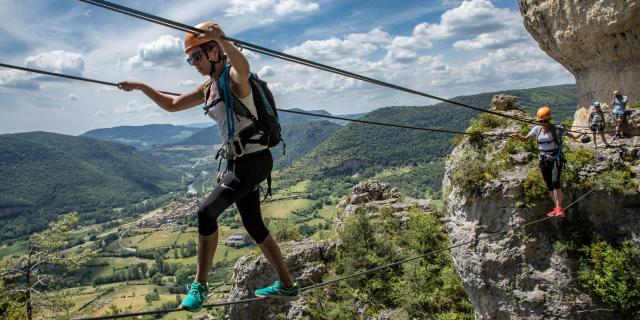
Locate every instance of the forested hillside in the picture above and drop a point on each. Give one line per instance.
(300, 138)
(44, 174)
(412, 159)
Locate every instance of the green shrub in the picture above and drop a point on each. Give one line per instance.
(474, 172)
(457, 139)
(514, 146)
(564, 246)
(427, 288)
(612, 274)
(534, 187)
(576, 160)
(620, 181)
(485, 122)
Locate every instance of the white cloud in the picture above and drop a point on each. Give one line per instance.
(251, 56)
(470, 19)
(280, 7)
(107, 89)
(57, 61)
(406, 49)
(188, 83)
(165, 52)
(333, 49)
(73, 97)
(266, 71)
(493, 40)
(99, 113)
(135, 107)
(513, 66)
(241, 7)
(286, 7)
(18, 80)
(321, 84)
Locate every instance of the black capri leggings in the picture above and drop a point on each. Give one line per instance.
(551, 170)
(240, 186)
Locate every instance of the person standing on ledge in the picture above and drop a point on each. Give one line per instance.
(596, 124)
(219, 59)
(619, 105)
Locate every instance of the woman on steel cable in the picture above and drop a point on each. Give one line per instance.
(549, 138)
(248, 164)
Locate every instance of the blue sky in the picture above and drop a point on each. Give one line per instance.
(445, 48)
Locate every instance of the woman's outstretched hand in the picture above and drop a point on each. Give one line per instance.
(129, 85)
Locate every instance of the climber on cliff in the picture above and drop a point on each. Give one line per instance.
(212, 56)
(549, 137)
(596, 124)
(619, 105)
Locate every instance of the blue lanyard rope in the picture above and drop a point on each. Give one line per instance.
(228, 100)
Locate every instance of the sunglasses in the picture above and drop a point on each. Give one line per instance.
(194, 57)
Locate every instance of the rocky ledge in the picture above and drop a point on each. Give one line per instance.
(526, 274)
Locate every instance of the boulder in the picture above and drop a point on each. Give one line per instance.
(307, 261)
(503, 102)
(373, 196)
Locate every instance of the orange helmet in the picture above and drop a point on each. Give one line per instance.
(544, 113)
(190, 39)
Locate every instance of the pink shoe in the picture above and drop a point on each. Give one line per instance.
(556, 212)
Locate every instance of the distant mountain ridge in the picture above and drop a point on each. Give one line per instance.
(148, 136)
(143, 137)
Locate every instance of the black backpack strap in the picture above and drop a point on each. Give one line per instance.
(554, 134)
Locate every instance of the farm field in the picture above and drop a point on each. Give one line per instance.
(283, 208)
(129, 296)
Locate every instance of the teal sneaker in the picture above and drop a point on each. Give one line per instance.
(196, 294)
(277, 290)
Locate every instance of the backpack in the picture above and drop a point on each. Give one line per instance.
(596, 120)
(267, 123)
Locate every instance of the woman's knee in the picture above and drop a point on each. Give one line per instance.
(207, 224)
(257, 230)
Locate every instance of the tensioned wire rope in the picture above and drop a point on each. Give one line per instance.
(328, 282)
(280, 55)
(279, 110)
(189, 29)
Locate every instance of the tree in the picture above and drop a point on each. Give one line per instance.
(32, 276)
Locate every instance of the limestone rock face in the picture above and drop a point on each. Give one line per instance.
(307, 261)
(503, 102)
(520, 275)
(374, 196)
(598, 41)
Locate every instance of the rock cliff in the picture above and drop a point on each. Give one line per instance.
(490, 185)
(598, 41)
